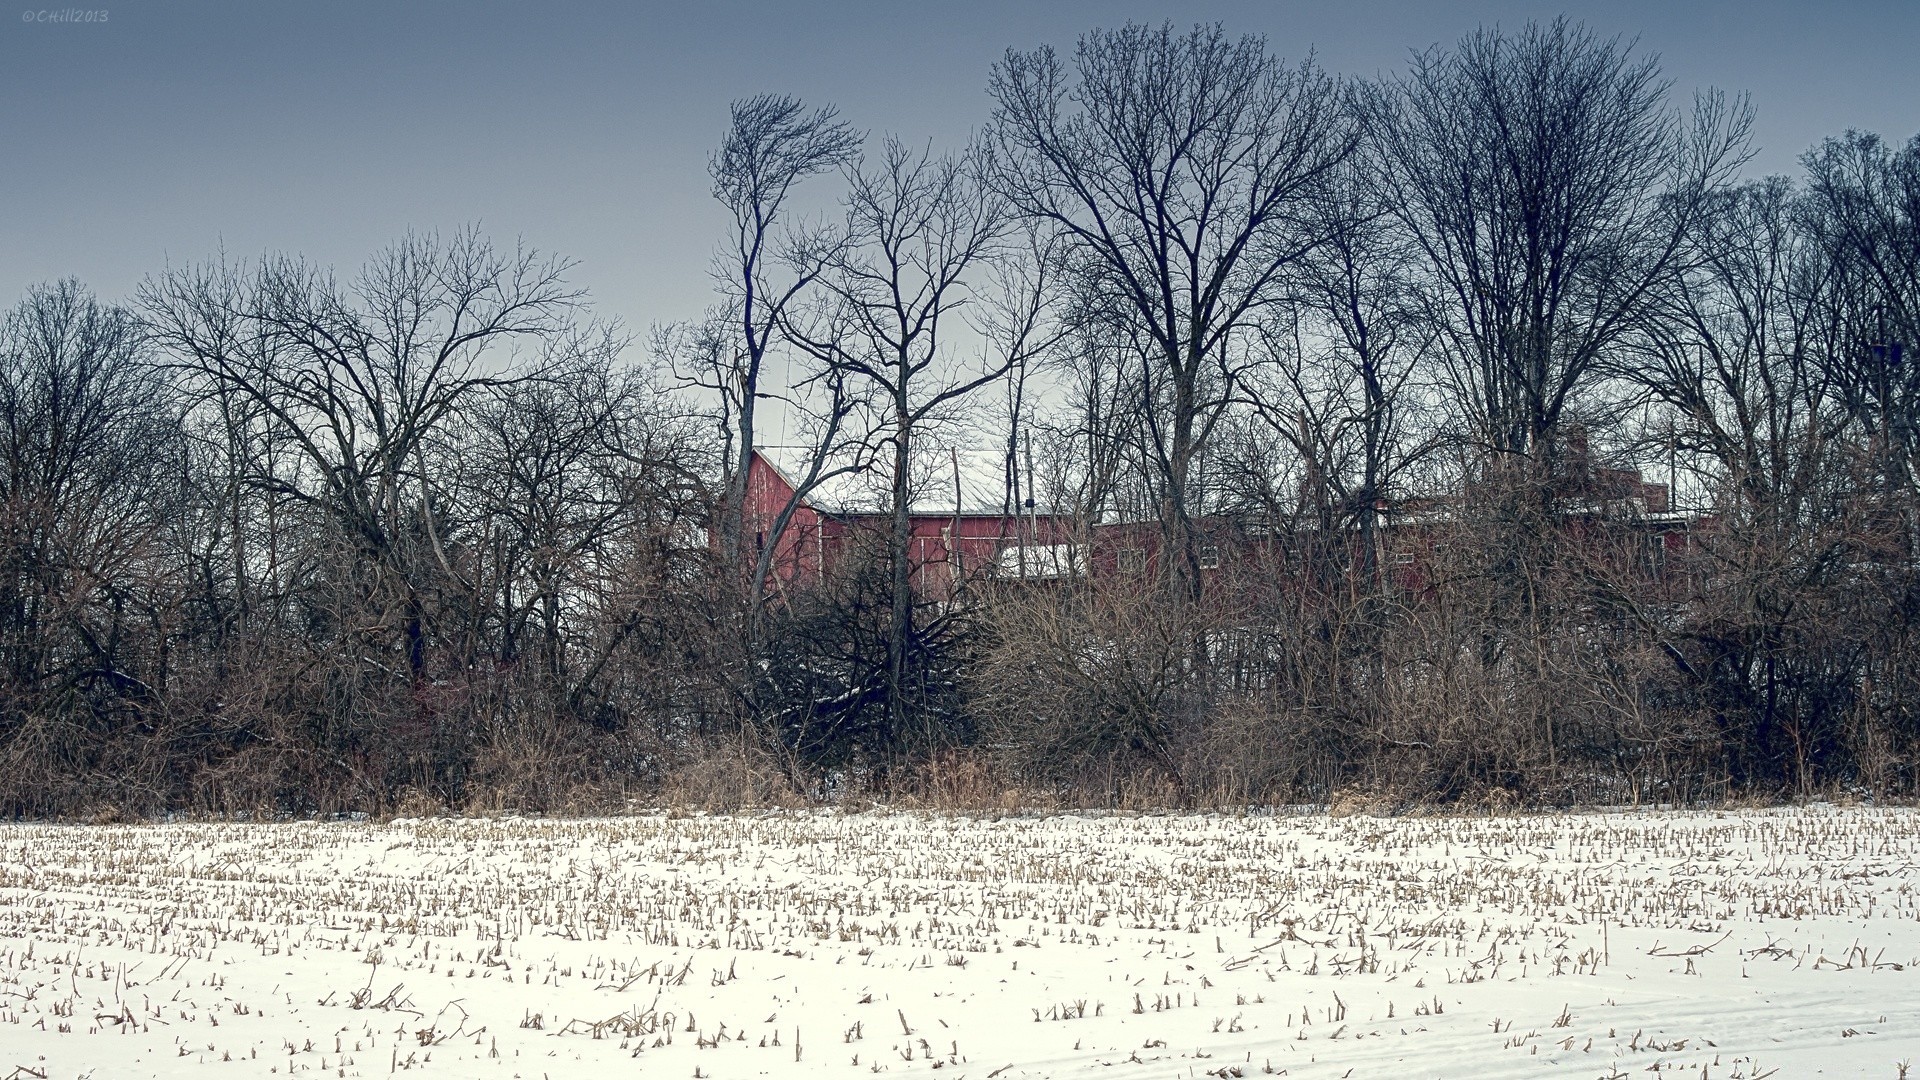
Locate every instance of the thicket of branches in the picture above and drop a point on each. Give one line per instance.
(274, 540)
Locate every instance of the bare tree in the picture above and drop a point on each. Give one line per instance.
(1549, 190)
(90, 461)
(921, 230)
(1340, 387)
(555, 481)
(1864, 210)
(1741, 362)
(1020, 319)
(1183, 169)
(772, 144)
(359, 380)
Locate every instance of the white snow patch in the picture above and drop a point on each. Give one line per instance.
(1727, 945)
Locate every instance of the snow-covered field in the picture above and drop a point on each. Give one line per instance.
(1711, 945)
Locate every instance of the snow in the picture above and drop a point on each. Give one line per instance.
(1729, 945)
(932, 474)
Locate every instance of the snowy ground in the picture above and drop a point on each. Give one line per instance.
(1711, 945)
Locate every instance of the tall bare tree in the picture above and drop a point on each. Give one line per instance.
(1183, 169)
(921, 231)
(1549, 188)
(772, 144)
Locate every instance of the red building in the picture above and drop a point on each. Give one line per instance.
(959, 523)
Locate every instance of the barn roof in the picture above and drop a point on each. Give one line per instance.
(931, 475)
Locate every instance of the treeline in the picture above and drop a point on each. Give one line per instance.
(275, 540)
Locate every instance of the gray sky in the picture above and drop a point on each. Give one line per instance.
(174, 129)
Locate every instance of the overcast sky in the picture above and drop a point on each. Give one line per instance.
(173, 129)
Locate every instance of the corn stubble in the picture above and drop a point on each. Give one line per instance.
(1736, 945)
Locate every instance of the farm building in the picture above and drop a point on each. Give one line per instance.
(959, 520)
(962, 522)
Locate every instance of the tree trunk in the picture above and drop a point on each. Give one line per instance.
(899, 624)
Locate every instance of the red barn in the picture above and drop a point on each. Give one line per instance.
(962, 524)
(960, 520)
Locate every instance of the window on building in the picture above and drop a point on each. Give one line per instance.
(1209, 557)
(1132, 561)
(1040, 561)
